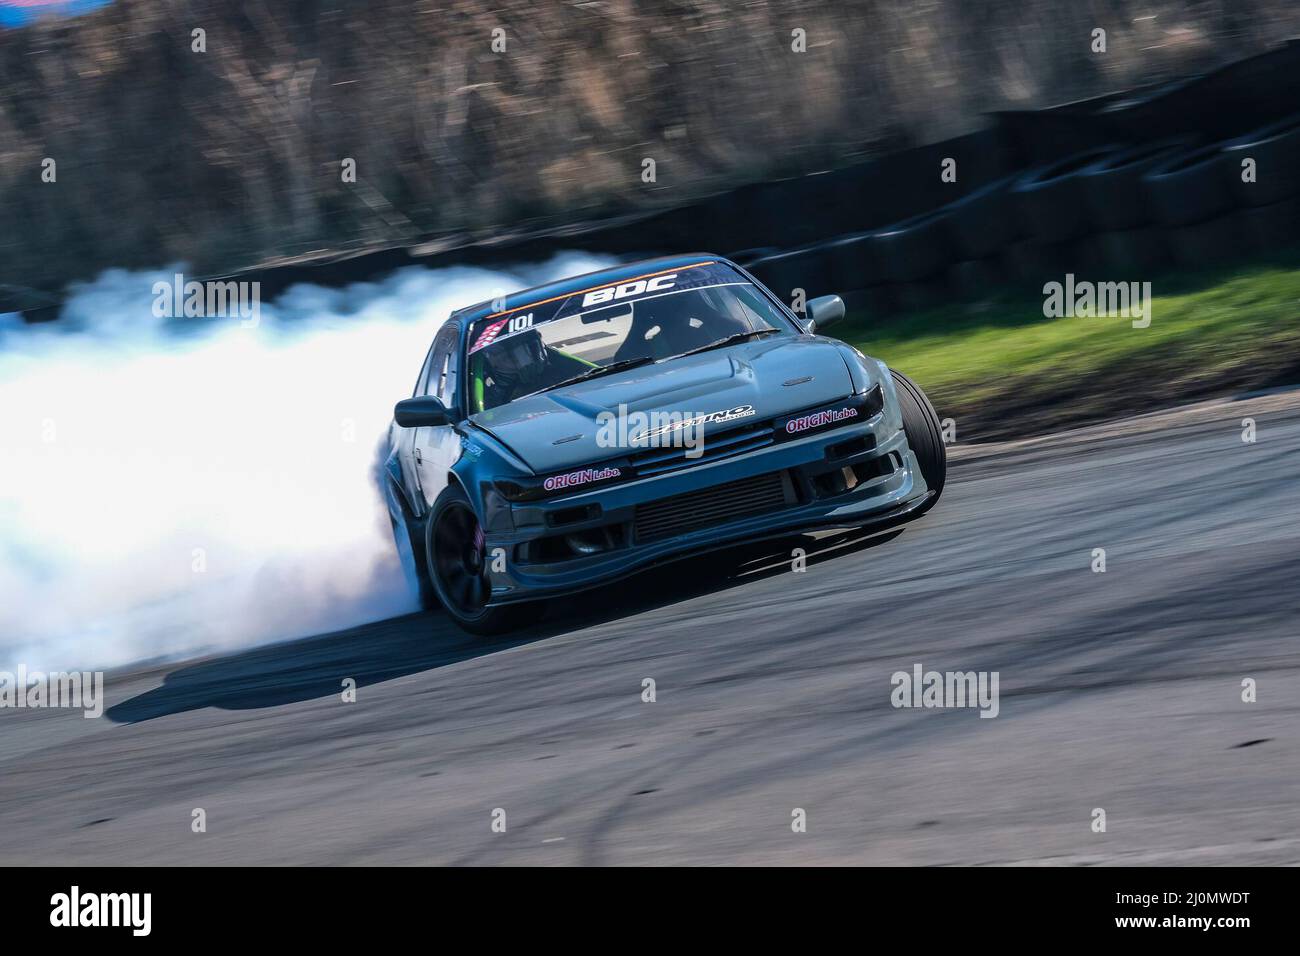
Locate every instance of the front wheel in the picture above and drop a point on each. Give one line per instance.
(458, 566)
(924, 436)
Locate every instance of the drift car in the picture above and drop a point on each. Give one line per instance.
(576, 432)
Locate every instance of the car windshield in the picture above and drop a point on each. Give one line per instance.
(633, 322)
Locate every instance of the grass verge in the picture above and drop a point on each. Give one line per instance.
(1002, 370)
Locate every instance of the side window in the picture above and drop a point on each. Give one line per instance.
(422, 381)
(441, 380)
(438, 380)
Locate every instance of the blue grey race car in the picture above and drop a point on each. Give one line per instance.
(574, 433)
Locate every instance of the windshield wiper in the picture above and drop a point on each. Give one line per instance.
(597, 372)
(729, 339)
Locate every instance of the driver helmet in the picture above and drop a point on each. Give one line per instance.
(518, 362)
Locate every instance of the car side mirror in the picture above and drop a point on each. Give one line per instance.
(824, 311)
(421, 410)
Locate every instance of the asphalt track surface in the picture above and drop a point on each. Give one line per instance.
(1119, 690)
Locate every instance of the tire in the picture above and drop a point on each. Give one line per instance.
(1157, 112)
(975, 278)
(1215, 242)
(772, 204)
(854, 263)
(913, 249)
(808, 208)
(806, 269)
(410, 551)
(1084, 256)
(924, 436)
(417, 570)
(1188, 187)
(1050, 198)
(922, 295)
(843, 196)
(1134, 252)
(1112, 186)
(1030, 263)
(451, 553)
(982, 222)
(1276, 152)
(718, 221)
(1266, 229)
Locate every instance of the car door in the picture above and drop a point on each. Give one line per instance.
(404, 443)
(437, 447)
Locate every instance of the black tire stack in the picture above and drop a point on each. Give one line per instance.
(980, 226)
(1269, 215)
(1125, 211)
(1053, 212)
(1192, 201)
(1119, 211)
(807, 269)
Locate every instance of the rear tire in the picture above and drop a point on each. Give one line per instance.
(410, 554)
(457, 561)
(924, 436)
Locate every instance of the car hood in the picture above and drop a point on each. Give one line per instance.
(559, 429)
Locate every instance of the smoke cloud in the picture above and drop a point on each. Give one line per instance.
(177, 486)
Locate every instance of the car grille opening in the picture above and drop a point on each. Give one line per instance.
(710, 506)
(735, 442)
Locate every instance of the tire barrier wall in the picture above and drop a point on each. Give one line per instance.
(1117, 212)
(1119, 188)
(1133, 181)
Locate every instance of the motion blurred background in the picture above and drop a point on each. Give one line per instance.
(936, 163)
(491, 133)
(228, 158)
(191, 500)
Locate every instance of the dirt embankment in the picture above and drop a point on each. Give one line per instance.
(233, 155)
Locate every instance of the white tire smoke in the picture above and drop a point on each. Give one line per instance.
(170, 487)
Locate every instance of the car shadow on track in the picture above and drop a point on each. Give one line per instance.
(313, 667)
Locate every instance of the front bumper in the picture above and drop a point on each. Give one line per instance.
(851, 476)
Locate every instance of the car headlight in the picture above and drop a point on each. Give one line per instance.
(535, 489)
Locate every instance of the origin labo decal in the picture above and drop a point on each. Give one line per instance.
(711, 418)
(844, 412)
(583, 476)
(827, 416)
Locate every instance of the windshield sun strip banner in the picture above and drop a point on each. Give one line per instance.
(503, 325)
(603, 285)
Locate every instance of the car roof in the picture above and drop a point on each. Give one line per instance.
(590, 280)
